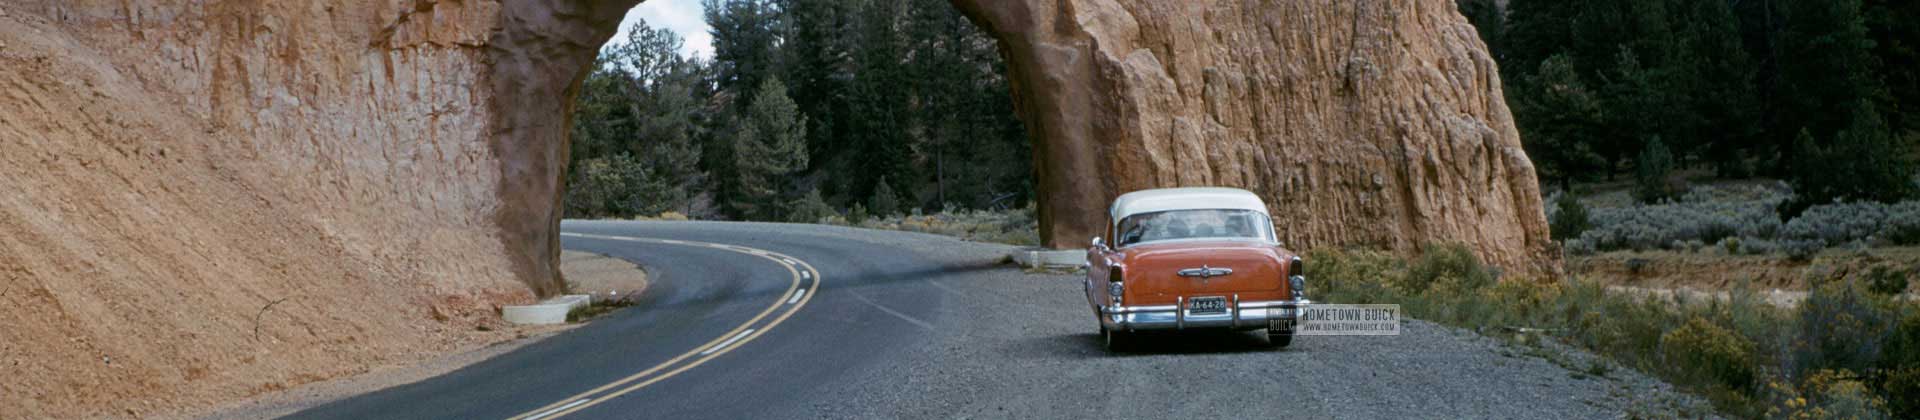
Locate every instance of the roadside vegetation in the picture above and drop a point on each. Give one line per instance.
(1731, 219)
(1852, 350)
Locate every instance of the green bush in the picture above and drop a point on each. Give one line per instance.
(1569, 218)
(858, 215)
(1840, 328)
(1650, 183)
(1887, 280)
(1902, 391)
(1903, 224)
(1451, 266)
(810, 208)
(1352, 276)
(1708, 353)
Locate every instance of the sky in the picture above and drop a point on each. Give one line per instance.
(683, 17)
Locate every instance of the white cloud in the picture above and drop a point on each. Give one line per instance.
(684, 17)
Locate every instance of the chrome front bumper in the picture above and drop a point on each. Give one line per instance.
(1239, 315)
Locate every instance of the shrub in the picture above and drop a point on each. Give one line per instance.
(1887, 281)
(1580, 247)
(1569, 218)
(1902, 390)
(858, 214)
(810, 208)
(1903, 224)
(1451, 265)
(1352, 276)
(1837, 224)
(1708, 353)
(1841, 395)
(1840, 327)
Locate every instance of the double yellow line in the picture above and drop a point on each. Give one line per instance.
(806, 281)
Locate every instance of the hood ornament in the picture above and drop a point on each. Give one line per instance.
(1205, 272)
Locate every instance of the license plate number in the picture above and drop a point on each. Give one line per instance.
(1207, 305)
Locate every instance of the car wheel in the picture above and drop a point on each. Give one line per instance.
(1279, 339)
(1117, 341)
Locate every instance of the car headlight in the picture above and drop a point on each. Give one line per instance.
(1114, 287)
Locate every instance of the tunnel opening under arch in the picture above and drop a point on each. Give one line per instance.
(1387, 131)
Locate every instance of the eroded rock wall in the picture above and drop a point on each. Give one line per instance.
(205, 200)
(1374, 123)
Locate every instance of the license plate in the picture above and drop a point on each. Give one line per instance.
(1207, 305)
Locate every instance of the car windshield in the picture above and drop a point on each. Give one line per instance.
(1194, 224)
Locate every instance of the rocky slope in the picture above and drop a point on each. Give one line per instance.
(361, 181)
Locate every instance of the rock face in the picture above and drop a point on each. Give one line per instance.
(206, 200)
(1363, 123)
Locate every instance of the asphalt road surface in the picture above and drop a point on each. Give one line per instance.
(750, 320)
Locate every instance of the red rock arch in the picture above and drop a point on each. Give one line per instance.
(1363, 123)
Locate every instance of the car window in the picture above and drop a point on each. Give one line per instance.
(1194, 224)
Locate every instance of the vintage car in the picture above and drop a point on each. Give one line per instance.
(1192, 258)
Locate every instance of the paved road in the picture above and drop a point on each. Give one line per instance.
(797, 321)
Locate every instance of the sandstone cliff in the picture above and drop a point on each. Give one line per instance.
(180, 174)
(359, 181)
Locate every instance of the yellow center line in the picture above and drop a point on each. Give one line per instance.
(572, 404)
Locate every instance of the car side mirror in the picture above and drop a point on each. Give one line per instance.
(1099, 243)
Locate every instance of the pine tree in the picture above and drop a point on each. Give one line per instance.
(1825, 68)
(1570, 218)
(769, 146)
(879, 98)
(884, 203)
(746, 42)
(1863, 162)
(1651, 172)
(1559, 118)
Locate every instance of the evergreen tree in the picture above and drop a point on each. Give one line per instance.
(1569, 217)
(884, 203)
(880, 98)
(1652, 171)
(1535, 31)
(1863, 162)
(820, 46)
(746, 42)
(1558, 118)
(769, 146)
(1896, 44)
(1826, 68)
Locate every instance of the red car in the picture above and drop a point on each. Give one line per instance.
(1193, 258)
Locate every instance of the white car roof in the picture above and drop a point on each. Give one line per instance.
(1158, 200)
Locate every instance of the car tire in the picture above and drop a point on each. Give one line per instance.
(1116, 341)
(1279, 340)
